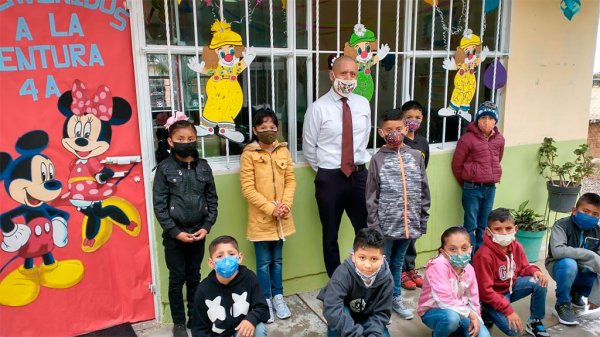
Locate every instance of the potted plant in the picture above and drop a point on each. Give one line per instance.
(530, 230)
(563, 181)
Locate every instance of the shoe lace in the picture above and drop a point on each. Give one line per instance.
(563, 309)
(414, 274)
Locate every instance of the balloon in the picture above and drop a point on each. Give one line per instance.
(490, 5)
(432, 2)
(570, 8)
(488, 77)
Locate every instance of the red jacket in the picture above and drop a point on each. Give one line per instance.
(492, 269)
(476, 158)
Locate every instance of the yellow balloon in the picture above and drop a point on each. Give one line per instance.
(432, 2)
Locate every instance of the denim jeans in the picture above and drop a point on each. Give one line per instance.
(331, 333)
(443, 322)
(269, 267)
(394, 254)
(259, 331)
(477, 202)
(570, 279)
(524, 286)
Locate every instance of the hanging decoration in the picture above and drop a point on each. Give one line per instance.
(570, 8)
(223, 60)
(469, 55)
(361, 48)
(495, 76)
(490, 5)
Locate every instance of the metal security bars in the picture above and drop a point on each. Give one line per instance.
(294, 41)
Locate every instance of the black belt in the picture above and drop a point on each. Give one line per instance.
(358, 168)
(480, 184)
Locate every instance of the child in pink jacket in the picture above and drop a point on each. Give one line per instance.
(449, 303)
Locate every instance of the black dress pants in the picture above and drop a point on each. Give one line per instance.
(336, 193)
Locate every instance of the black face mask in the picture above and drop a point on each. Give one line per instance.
(184, 150)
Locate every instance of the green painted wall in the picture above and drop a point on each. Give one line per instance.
(303, 262)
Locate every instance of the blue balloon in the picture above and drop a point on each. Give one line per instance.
(570, 8)
(490, 5)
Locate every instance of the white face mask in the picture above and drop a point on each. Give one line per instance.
(503, 239)
(344, 87)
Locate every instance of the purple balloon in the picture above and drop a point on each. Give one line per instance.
(488, 76)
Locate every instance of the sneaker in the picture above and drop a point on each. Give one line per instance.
(577, 301)
(536, 328)
(271, 317)
(179, 330)
(407, 282)
(401, 309)
(281, 309)
(565, 314)
(416, 278)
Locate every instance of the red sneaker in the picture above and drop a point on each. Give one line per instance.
(407, 282)
(417, 279)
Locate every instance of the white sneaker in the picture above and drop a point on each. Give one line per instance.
(466, 115)
(271, 318)
(446, 112)
(401, 309)
(281, 309)
(203, 131)
(232, 135)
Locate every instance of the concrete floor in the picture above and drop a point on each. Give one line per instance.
(307, 320)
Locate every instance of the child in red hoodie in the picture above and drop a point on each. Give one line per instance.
(505, 276)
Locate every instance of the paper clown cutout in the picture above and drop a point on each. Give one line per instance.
(361, 47)
(570, 8)
(221, 61)
(469, 56)
(92, 185)
(33, 229)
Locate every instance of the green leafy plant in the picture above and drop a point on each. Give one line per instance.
(527, 219)
(568, 174)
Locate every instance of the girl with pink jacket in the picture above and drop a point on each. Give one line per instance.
(449, 302)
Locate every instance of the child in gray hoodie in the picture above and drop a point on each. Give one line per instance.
(357, 300)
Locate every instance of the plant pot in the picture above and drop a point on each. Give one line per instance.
(562, 199)
(531, 242)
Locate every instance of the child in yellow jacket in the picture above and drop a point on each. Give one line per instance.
(268, 182)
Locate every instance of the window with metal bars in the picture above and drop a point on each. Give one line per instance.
(294, 42)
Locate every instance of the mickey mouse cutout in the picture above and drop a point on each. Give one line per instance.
(33, 228)
(469, 56)
(87, 134)
(361, 47)
(221, 61)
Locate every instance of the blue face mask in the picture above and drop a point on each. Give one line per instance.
(585, 221)
(227, 266)
(459, 260)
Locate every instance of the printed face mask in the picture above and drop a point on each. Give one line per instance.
(227, 266)
(413, 124)
(503, 239)
(459, 260)
(344, 87)
(266, 137)
(585, 221)
(394, 138)
(184, 150)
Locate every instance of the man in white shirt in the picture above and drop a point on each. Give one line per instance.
(334, 142)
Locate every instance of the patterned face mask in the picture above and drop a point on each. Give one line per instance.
(413, 124)
(344, 87)
(394, 138)
(459, 260)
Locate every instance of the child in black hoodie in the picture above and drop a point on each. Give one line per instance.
(357, 301)
(229, 300)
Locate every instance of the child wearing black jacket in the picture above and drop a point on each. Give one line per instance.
(229, 301)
